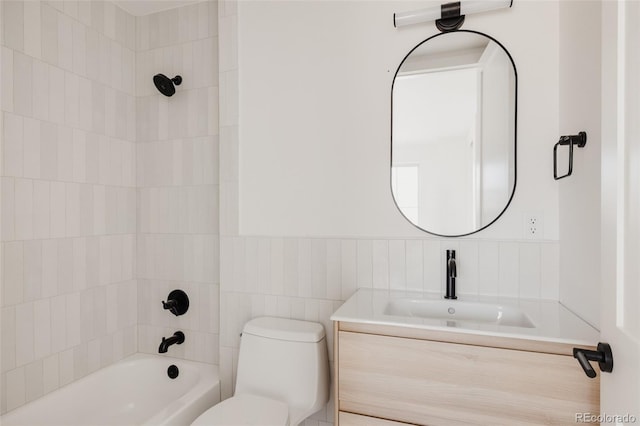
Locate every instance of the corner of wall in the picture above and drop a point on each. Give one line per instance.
(579, 206)
(229, 179)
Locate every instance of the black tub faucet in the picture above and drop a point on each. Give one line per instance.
(176, 339)
(451, 275)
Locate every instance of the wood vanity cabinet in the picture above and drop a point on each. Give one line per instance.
(390, 376)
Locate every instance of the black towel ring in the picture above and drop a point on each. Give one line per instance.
(580, 140)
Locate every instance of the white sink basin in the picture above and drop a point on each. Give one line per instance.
(456, 310)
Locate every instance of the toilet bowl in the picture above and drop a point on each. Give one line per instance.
(283, 375)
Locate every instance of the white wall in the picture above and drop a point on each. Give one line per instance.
(68, 194)
(580, 99)
(315, 86)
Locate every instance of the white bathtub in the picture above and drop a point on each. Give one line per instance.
(134, 391)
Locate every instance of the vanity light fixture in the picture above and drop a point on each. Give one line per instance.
(448, 16)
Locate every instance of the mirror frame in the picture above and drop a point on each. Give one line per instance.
(515, 134)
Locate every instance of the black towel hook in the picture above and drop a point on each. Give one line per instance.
(580, 140)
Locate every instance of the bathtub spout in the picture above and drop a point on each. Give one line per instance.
(176, 339)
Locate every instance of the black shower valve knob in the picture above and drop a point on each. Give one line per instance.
(177, 302)
(171, 305)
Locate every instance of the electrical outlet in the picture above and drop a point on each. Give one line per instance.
(533, 226)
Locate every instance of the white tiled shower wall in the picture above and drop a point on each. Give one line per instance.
(86, 210)
(177, 177)
(68, 193)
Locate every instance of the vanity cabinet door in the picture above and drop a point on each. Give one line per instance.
(434, 383)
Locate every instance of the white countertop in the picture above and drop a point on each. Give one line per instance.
(553, 322)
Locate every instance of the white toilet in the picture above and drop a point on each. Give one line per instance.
(283, 375)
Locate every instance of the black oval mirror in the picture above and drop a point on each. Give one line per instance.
(453, 139)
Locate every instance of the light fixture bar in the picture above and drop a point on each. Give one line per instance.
(434, 12)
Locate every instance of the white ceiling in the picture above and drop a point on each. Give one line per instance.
(147, 7)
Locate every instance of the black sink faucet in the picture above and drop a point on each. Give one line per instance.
(177, 339)
(451, 275)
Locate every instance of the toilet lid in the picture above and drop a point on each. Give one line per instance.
(245, 410)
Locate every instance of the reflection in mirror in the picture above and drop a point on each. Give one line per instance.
(453, 165)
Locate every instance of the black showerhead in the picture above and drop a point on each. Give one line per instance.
(165, 84)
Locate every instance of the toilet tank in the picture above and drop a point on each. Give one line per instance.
(286, 360)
